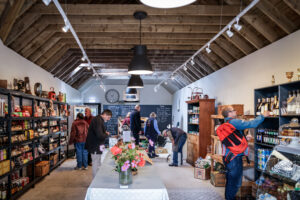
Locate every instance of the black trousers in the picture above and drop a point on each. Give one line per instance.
(137, 138)
(89, 158)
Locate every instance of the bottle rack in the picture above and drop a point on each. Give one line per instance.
(273, 122)
(50, 141)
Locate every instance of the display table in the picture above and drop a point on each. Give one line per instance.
(146, 185)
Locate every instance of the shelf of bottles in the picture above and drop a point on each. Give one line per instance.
(31, 129)
(283, 103)
(193, 119)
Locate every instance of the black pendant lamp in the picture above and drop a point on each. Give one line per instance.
(131, 91)
(135, 81)
(140, 64)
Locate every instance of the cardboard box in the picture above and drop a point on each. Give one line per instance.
(42, 168)
(203, 174)
(217, 179)
(238, 107)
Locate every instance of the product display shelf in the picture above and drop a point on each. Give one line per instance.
(279, 181)
(282, 92)
(199, 112)
(34, 142)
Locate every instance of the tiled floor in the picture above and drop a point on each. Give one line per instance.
(64, 183)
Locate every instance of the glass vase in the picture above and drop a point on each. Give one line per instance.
(125, 178)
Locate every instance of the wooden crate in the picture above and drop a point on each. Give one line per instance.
(238, 107)
(42, 168)
(203, 174)
(254, 189)
(3, 84)
(217, 179)
(245, 190)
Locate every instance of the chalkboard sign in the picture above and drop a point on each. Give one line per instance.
(163, 112)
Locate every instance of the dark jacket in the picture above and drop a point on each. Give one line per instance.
(135, 121)
(96, 135)
(151, 129)
(88, 119)
(176, 133)
(79, 131)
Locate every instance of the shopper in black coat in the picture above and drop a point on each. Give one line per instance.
(135, 124)
(96, 137)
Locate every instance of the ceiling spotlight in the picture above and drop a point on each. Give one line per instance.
(166, 83)
(236, 26)
(89, 67)
(172, 77)
(192, 62)
(208, 49)
(83, 58)
(47, 2)
(155, 89)
(229, 32)
(65, 28)
(185, 68)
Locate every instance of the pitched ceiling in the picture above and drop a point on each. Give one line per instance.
(108, 31)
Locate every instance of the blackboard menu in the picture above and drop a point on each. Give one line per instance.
(163, 112)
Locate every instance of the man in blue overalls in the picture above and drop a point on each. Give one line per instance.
(234, 166)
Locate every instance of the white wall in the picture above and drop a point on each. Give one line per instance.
(147, 95)
(12, 65)
(235, 83)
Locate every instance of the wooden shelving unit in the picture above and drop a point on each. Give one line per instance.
(197, 143)
(61, 149)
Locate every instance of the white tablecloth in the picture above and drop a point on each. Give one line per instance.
(146, 185)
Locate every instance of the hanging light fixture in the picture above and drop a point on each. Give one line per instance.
(135, 81)
(140, 64)
(131, 91)
(166, 3)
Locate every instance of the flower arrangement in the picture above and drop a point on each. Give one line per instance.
(127, 157)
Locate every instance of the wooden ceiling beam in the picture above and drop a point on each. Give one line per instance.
(10, 19)
(127, 35)
(208, 61)
(56, 58)
(258, 23)
(216, 59)
(63, 66)
(27, 21)
(129, 9)
(294, 5)
(53, 54)
(131, 28)
(222, 53)
(261, 26)
(29, 35)
(28, 49)
(229, 47)
(276, 16)
(127, 46)
(44, 48)
(203, 65)
(253, 38)
(192, 42)
(68, 69)
(240, 43)
(50, 53)
(154, 20)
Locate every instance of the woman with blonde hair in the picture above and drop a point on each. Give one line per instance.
(151, 132)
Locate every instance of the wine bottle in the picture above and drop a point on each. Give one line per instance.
(262, 108)
(258, 107)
